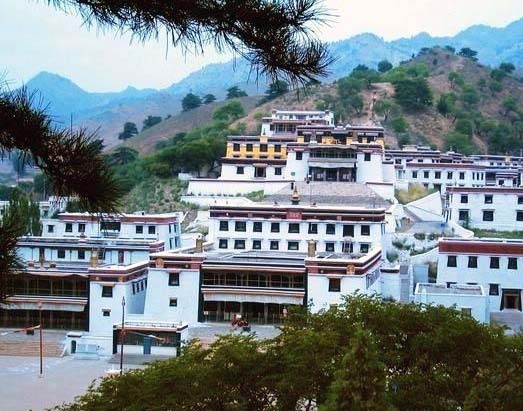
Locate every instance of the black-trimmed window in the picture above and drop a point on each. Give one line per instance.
(464, 199)
(494, 262)
(257, 227)
(240, 170)
(437, 175)
(275, 227)
(223, 243)
(277, 148)
(263, 148)
(81, 254)
(462, 175)
(364, 248)
(249, 147)
(489, 198)
(488, 215)
(239, 244)
(519, 215)
(473, 262)
(414, 174)
(61, 253)
(256, 244)
(275, 245)
(330, 229)
(277, 171)
(452, 261)
(329, 247)
(107, 291)
(512, 263)
(224, 226)
(235, 147)
(293, 245)
(348, 230)
(106, 313)
(366, 157)
(449, 175)
(173, 302)
(463, 215)
(50, 228)
(425, 174)
(313, 228)
(174, 279)
(240, 226)
(294, 228)
(151, 229)
(334, 285)
(520, 199)
(68, 227)
(139, 229)
(365, 230)
(81, 228)
(493, 289)
(299, 155)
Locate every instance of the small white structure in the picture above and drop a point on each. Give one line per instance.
(471, 300)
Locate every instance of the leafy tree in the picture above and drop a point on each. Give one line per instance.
(235, 92)
(384, 66)
(413, 94)
(399, 124)
(151, 121)
(495, 86)
(507, 67)
(446, 103)
(468, 53)
(456, 78)
(129, 130)
(470, 96)
(348, 86)
(190, 102)
(385, 108)
(498, 75)
(122, 155)
(450, 48)
(460, 143)
(464, 126)
(509, 104)
(366, 74)
(276, 89)
(229, 112)
(209, 98)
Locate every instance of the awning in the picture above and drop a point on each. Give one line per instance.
(254, 298)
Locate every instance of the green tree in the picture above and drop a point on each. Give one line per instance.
(468, 53)
(458, 142)
(385, 108)
(151, 121)
(384, 66)
(498, 75)
(122, 155)
(413, 94)
(209, 98)
(191, 101)
(276, 89)
(507, 67)
(367, 75)
(509, 104)
(399, 124)
(129, 130)
(235, 92)
(229, 112)
(456, 78)
(495, 86)
(464, 126)
(446, 103)
(470, 96)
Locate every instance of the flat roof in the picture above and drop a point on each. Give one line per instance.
(454, 289)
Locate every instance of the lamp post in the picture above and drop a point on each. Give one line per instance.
(122, 332)
(40, 326)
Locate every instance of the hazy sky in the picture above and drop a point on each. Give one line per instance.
(36, 37)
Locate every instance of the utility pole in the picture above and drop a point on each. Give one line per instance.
(122, 333)
(41, 339)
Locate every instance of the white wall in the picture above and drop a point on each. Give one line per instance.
(208, 187)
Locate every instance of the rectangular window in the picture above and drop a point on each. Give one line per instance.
(240, 226)
(473, 262)
(299, 155)
(239, 244)
(488, 198)
(68, 228)
(81, 228)
(463, 215)
(275, 227)
(464, 199)
(466, 311)
(224, 226)
(236, 147)
(313, 228)
(293, 245)
(437, 175)
(520, 199)
(263, 148)
(493, 289)
(151, 229)
(256, 244)
(425, 174)
(488, 215)
(240, 170)
(364, 248)
(139, 229)
(257, 226)
(121, 256)
(173, 302)
(81, 254)
(330, 229)
(414, 174)
(50, 228)
(334, 285)
(61, 253)
(224, 243)
(249, 147)
(277, 148)
(449, 175)
(367, 157)
(174, 279)
(452, 261)
(277, 171)
(348, 230)
(462, 176)
(275, 245)
(519, 215)
(329, 247)
(494, 262)
(294, 228)
(107, 291)
(106, 313)
(365, 230)
(512, 263)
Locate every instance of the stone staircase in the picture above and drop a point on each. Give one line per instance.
(31, 348)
